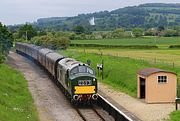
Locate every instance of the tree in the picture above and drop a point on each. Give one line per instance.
(151, 32)
(51, 42)
(62, 42)
(27, 32)
(6, 41)
(138, 32)
(160, 30)
(79, 30)
(170, 33)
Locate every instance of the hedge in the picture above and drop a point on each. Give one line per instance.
(116, 46)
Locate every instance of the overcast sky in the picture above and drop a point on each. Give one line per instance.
(21, 11)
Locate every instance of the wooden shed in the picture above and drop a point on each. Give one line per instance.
(156, 85)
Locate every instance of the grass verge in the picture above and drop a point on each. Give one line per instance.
(16, 103)
(175, 116)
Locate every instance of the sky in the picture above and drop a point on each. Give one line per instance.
(22, 11)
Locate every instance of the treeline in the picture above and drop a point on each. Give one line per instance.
(28, 33)
(61, 40)
(6, 42)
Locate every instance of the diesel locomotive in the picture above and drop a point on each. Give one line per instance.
(77, 79)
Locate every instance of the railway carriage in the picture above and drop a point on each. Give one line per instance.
(52, 60)
(77, 79)
(42, 56)
(35, 50)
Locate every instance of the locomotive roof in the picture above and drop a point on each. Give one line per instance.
(54, 56)
(69, 63)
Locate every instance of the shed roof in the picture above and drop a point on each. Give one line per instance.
(148, 71)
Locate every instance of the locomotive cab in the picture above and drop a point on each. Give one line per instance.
(83, 83)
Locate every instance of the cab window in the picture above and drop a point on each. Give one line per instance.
(81, 69)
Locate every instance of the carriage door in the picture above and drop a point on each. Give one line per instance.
(142, 88)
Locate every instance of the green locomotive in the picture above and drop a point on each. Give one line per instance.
(78, 80)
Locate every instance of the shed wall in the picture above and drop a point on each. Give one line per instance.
(161, 92)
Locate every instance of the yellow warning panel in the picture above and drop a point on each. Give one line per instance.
(84, 89)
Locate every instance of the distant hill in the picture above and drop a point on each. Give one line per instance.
(145, 16)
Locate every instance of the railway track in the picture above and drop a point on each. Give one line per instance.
(93, 113)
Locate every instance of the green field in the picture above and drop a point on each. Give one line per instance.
(16, 103)
(120, 72)
(160, 41)
(167, 56)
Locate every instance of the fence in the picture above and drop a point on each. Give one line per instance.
(142, 59)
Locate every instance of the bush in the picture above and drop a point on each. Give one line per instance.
(170, 33)
(62, 42)
(52, 42)
(138, 32)
(174, 46)
(2, 58)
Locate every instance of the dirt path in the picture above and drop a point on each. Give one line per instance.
(50, 102)
(146, 112)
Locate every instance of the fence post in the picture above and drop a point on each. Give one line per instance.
(102, 69)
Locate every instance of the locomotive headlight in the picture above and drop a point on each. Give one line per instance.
(94, 79)
(84, 82)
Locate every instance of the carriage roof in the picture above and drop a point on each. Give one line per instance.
(45, 51)
(54, 56)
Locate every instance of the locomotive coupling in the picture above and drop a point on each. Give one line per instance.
(94, 96)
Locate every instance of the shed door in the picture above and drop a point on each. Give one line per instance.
(142, 88)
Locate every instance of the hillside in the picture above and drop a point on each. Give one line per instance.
(144, 15)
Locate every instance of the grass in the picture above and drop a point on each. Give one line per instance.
(162, 42)
(120, 72)
(16, 103)
(175, 116)
(168, 56)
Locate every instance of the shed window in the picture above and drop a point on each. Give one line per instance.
(162, 79)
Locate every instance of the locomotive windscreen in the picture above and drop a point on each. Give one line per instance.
(82, 69)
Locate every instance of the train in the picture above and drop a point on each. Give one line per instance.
(77, 80)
